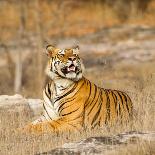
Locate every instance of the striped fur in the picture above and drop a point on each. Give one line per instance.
(72, 102)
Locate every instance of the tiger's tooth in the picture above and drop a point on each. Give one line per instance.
(71, 68)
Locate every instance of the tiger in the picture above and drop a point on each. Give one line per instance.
(72, 102)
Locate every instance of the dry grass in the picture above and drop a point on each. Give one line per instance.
(143, 97)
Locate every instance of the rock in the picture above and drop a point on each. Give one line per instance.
(36, 106)
(15, 110)
(5, 99)
(101, 145)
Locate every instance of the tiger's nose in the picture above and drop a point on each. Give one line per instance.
(72, 58)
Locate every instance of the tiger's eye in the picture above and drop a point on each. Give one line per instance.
(76, 55)
(61, 55)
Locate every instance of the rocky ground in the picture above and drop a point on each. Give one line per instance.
(105, 145)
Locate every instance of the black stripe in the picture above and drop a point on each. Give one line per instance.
(69, 92)
(66, 106)
(52, 125)
(89, 94)
(107, 108)
(117, 104)
(126, 102)
(48, 121)
(66, 93)
(61, 104)
(55, 64)
(97, 113)
(46, 111)
(94, 95)
(71, 112)
(58, 74)
(46, 92)
(97, 123)
(56, 121)
(48, 97)
(51, 65)
(94, 104)
(75, 118)
(45, 117)
(120, 95)
(115, 99)
(131, 106)
(86, 102)
(49, 91)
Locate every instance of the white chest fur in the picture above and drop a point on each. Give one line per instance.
(58, 87)
(61, 85)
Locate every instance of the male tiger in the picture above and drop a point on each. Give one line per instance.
(72, 102)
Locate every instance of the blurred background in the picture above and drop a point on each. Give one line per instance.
(116, 39)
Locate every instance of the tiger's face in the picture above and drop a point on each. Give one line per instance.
(65, 62)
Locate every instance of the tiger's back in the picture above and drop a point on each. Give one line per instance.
(106, 106)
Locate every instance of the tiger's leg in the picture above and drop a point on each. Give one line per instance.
(56, 126)
(36, 126)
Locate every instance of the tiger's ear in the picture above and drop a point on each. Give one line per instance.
(76, 50)
(50, 50)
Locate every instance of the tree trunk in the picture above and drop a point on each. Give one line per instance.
(18, 63)
(39, 48)
(18, 73)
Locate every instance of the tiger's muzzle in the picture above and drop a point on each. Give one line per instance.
(70, 69)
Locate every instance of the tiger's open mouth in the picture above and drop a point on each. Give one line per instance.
(69, 69)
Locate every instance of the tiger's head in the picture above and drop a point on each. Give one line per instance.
(65, 63)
